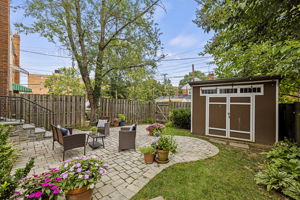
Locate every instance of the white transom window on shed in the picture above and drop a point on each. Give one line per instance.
(239, 90)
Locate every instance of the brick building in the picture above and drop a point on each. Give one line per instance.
(36, 83)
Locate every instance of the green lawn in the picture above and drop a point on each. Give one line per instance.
(229, 175)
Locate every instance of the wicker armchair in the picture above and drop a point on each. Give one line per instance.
(68, 142)
(126, 139)
(103, 130)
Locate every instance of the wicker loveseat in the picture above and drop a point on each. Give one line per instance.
(68, 142)
(126, 138)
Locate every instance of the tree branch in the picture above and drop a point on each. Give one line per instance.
(128, 23)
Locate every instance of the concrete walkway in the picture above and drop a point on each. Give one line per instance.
(127, 172)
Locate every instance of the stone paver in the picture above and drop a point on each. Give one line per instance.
(239, 145)
(127, 172)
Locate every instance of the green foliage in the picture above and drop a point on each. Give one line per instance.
(8, 182)
(165, 142)
(93, 129)
(67, 82)
(147, 150)
(148, 120)
(254, 37)
(169, 124)
(181, 118)
(282, 171)
(122, 117)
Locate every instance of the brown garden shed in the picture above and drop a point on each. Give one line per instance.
(244, 109)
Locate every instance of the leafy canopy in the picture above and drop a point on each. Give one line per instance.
(254, 37)
(66, 82)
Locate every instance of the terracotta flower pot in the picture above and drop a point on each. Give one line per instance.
(149, 158)
(116, 124)
(150, 133)
(80, 194)
(162, 155)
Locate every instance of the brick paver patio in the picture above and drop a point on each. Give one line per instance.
(127, 172)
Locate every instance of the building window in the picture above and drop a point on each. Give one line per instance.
(228, 90)
(209, 91)
(250, 90)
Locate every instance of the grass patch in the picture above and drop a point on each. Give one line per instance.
(228, 175)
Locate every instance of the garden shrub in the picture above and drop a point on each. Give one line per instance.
(8, 154)
(282, 170)
(149, 120)
(181, 118)
(169, 124)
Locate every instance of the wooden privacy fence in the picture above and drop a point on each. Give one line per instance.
(135, 111)
(69, 111)
(289, 122)
(162, 109)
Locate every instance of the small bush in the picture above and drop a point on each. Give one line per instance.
(148, 120)
(147, 150)
(8, 182)
(169, 124)
(181, 118)
(282, 170)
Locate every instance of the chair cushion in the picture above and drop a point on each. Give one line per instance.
(132, 127)
(65, 132)
(101, 123)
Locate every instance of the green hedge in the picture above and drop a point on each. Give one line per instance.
(181, 118)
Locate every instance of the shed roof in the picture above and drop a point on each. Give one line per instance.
(235, 80)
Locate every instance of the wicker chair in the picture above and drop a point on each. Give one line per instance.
(103, 130)
(126, 138)
(68, 142)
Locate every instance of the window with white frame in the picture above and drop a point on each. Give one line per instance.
(232, 90)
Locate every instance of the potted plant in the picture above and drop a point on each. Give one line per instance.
(44, 186)
(122, 119)
(80, 176)
(93, 130)
(148, 152)
(155, 129)
(116, 121)
(163, 146)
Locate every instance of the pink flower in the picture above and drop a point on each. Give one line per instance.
(47, 180)
(44, 184)
(17, 193)
(53, 187)
(35, 175)
(31, 195)
(78, 170)
(92, 186)
(66, 165)
(56, 191)
(47, 175)
(53, 169)
(38, 194)
(58, 179)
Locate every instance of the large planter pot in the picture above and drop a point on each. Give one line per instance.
(149, 158)
(162, 155)
(122, 123)
(116, 124)
(80, 194)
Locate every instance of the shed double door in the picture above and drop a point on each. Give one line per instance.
(230, 117)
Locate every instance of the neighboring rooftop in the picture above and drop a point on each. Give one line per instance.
(238, 79)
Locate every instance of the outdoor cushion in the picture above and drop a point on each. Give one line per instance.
(101, 123)
(132, 127)
(65, 132)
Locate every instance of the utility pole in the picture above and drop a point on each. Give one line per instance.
(165, 79)
(193, 72)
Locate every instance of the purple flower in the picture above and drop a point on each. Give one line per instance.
(65, 175)
(102, 171)
(96, 164)
(92, 186)
(78, 165)
(105, 165)
(47, 175)
(80, 176)
(66, 165)
(47, 180)
(38, 194)
(86, 176)
(88, 171)
(78, 170)
(84, 158)
(56, 191)
(72, 169)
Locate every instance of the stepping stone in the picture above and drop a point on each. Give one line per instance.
(217, 141)
(158, 198)
(239, 145)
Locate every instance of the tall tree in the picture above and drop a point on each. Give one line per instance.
(254, 37)
(102, 35)
(66, 82)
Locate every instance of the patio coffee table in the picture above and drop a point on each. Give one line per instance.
(95, 144)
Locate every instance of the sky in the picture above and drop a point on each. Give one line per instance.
(181, 38)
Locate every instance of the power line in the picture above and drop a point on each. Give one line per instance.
(192, 58)
(44, 54)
